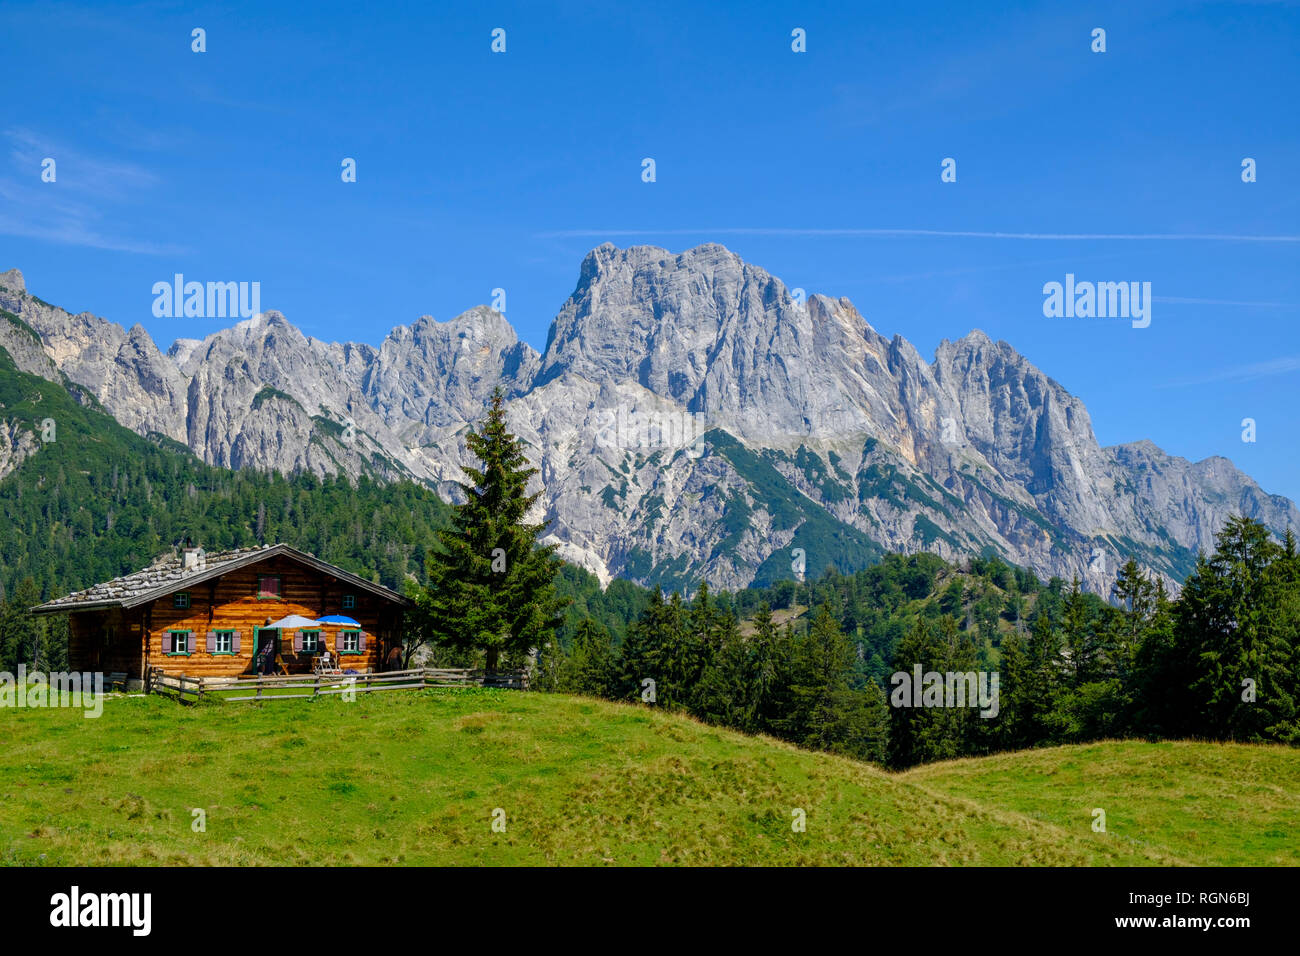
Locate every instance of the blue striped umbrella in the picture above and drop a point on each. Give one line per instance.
(338, 619)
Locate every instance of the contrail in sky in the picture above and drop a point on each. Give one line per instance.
(920, 233)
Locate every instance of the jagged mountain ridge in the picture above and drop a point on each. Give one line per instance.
(798, 436)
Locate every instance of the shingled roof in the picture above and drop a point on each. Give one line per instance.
(169, 574)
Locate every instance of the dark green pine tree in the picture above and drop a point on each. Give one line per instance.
(725, 695)
(1233, 624)
(1024, 689)
(1163, 674)
(919, 734)
(768, 674)
(652, 652)
(591, 667)
(699, 647)
(826, 713)
(491, 585)
(1084, 649)
(1283, 629)
(1048, 666)
(1136, 595)
(22, 636)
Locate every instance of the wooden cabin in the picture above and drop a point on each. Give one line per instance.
(201, 614)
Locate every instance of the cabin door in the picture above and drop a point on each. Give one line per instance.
(266, 642)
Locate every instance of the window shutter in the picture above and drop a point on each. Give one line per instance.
(361, 642)
(234, 642)
(297, 642)
(167, 643)
(212, 642)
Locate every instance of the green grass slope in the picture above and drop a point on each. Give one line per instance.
(1206, 804)
(414, 777)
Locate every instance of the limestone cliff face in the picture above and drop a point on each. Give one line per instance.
(689, 419)
(17, 444)
(428, 379)
(122, 368)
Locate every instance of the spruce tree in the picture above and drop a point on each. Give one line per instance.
(1232, 623)
(918, 734)
(590, 668)
(725, 694)
(491, 584)
(827, 714)
(1163, 673)
(1283, 626)
(22, 636)
(1083, 647)
(700, 642)
(767, 679)
(1136, 594)
(652, 651)
(1017, 707)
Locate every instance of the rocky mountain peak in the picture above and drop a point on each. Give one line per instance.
(13, 281)
(181, 350)
(976, 338)
(827, 436)
(481, 324)
(646, 313)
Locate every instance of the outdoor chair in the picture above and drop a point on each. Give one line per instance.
(323, 665)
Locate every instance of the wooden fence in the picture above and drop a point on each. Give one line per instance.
(297, 686)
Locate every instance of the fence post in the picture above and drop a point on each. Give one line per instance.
(201, 680)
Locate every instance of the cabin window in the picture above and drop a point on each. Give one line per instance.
(181, 599)
(224, 643)
(311, 642)
(349, 642)
(180, 643)
(268, 587)
(349, 601)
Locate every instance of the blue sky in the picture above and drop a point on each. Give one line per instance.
(479, 170)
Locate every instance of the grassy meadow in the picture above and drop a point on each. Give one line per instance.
(414, 777)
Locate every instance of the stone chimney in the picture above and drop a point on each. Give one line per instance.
(193, 559)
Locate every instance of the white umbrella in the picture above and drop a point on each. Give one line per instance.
(290, 623)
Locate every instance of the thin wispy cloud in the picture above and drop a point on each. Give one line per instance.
(981, 269)
(70, 210)
(921, 233)
(1242, 373)
(74, 233)
(1174, 300)
(78, 171)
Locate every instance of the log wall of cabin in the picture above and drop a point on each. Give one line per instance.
(109, 641)
(230, 602)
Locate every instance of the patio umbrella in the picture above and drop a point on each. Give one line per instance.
(292, 622)
(340, 620)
